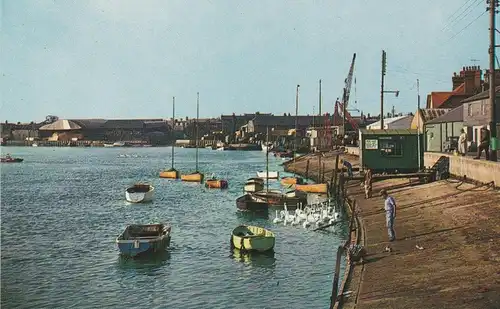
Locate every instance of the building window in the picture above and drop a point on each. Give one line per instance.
(391, 148)
(469, 109)
(483, 108)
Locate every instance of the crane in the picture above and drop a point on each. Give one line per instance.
(345, 98)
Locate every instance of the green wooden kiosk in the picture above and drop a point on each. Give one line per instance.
(391, 151)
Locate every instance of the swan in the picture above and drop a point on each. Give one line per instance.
(277, 219)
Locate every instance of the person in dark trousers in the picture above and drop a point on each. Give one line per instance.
(484, 143)
(390, 213)
(348, 166)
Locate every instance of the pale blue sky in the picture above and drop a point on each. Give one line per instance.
(124, 59)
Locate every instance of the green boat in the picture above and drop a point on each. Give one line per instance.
(252, 238)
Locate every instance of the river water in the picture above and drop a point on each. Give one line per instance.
(62, 208)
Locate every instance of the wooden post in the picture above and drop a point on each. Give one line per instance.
(336, 275)
(335, 173)
(307, 169)
(319, 169)
(323, 178)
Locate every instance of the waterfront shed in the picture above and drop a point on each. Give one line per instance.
(442, 132)
(392, 150)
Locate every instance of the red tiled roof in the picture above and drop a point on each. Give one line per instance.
(438, 98)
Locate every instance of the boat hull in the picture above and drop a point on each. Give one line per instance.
(287, 181)
(171, 174)
(136, 244)
(216, 184)
(275, 199)
(264, 175)
(313, 188)
(194, 177)
(139, 197)
(252, 238)
(11, 160)
(248, 203)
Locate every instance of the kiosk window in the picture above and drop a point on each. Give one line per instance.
(391, 147)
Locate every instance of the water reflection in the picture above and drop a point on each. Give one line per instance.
(149, 261)
(258, 259)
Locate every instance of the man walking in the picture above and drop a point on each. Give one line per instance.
(390, 213)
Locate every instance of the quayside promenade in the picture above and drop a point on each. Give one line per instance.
(447, 251)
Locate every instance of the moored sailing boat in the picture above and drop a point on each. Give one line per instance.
(172, 173)
(196, 176)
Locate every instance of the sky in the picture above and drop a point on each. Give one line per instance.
(127, 59)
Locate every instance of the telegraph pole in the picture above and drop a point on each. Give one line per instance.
(418, 126)
(319, 98)
(493, 121)
(382, 91)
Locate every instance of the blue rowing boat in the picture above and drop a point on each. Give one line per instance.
(141, 239)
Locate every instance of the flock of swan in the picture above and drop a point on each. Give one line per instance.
(320, 214)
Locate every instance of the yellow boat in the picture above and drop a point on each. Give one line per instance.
(287, 181)
(313, 188)
(193, 177)
(216, 184)
(171, 173)
(252, 238)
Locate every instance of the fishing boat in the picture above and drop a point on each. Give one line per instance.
(291, 181)
(139, 193)
(195, 176)
(268, 175)
(275, 198)
(252, 238)
(313, 188)
(9, 159)
(139, 239)
(248, 202)
(214, 183)
(171, 173)
(254, 185)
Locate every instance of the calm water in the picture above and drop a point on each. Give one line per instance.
(62, 208)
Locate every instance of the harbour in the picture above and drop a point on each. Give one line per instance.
(67, 256)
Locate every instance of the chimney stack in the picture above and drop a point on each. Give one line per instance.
(457, 80)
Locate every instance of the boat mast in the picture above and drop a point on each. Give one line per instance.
(296, 123)
(173, 131)
(267, 159)
(197, 115)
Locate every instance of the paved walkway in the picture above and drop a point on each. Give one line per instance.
(457, 228)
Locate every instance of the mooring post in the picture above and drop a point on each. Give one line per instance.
(307, 169)
(336, 275)
(319, 168)
(323, 177)
(335, 174)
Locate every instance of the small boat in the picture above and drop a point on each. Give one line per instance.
(220, 148)
(34, 145)
(214, 183)
(275, 198)
(139, 193)
(9, 159)
(254, 185)
(107, 145)
(193, 177)
(287, 181)
(313, 188)
(140, 239)
(250, 203)
(266, 147)
(170, 173)
(264, 174)
(252, 238)
(118, 144)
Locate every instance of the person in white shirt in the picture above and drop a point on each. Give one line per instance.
(462, 143)
(390, 213)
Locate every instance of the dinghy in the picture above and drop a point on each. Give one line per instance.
(291, 181)
(250, 203)
(9, 159)
(139, 193)
(171, 173)
(140, 239)
(269, 175)
(254, 185)
(195, 176)
(252, 238)
(214, 183)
